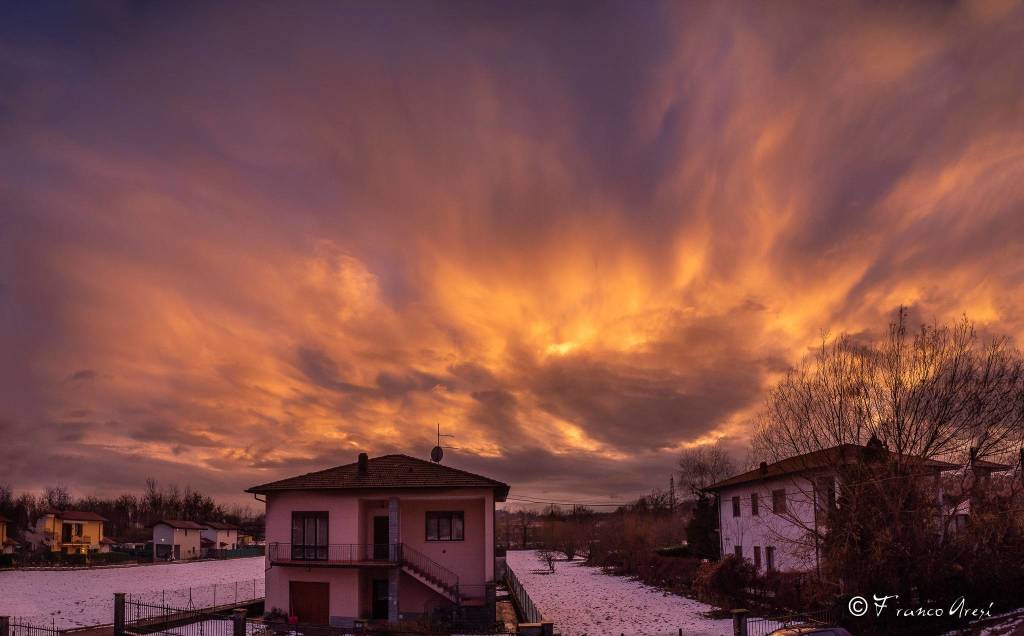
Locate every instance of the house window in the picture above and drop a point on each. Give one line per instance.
(735, 506)
(754, 504)
(738, 550)
(779, 501)
(445, 526)
(309, 536)
(757, 558)
(769, 557)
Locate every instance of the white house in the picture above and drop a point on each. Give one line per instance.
(176, 539)
(221, 536)
(773, 515)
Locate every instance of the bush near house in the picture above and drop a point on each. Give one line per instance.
(725, 583)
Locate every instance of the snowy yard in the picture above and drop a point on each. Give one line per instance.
(75, 598)
(582, 600)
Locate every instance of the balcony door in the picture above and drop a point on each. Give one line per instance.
(381, 538)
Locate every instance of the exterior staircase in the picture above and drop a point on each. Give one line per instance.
(430, 573)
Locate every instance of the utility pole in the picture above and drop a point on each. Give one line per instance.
(671, 493)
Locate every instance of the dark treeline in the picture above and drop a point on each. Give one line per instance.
(128, 515)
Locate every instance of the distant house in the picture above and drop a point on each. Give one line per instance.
(71, 532)
(7, 544)
(389, 538)
(221, 536)
(768, 515)
(176, 539)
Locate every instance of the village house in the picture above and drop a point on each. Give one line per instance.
(217, 537)
(772, 515)
(71, 532)
(175, 539)
(389, 538)
(7, 544)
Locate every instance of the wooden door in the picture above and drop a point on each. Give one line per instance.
(381, 538)
(310, 601)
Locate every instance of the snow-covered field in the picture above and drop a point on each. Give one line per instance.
(582, 600)
(75, 598)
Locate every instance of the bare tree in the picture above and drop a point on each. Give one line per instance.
(702, 466)
(915, 397)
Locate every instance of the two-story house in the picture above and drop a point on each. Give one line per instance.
(176, 539)
(218, 537)
(772, 515)
(388, 538)
(72, 532)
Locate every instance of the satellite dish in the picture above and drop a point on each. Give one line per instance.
(436, 454)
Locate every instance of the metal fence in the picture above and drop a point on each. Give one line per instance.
(528, 612)
(205, 596)
(764, 626)
(16, 626)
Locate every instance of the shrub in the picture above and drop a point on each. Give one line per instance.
(725, 582)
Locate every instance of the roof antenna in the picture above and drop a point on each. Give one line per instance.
(437, 452)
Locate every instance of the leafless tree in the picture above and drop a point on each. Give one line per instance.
(934, 393)
(701, 466)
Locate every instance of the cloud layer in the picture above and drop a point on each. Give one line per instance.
(238, 243)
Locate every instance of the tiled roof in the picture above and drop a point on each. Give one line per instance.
(387, 471)
(76, 515)
(216, 525)
(107, 541)
(842, 454)
(180, 524)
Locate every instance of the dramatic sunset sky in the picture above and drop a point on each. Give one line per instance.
(240, 241)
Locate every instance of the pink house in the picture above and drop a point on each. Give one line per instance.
(389, 538)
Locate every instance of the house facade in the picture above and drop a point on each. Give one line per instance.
(176, 539)
(389, 538)
(774, 515)
(217, 537)
(7, 544)
(71, 532)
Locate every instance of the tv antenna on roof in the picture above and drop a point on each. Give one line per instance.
(437, 452)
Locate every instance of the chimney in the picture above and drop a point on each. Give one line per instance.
(363, 463)
(764, 468)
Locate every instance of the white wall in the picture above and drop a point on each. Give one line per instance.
(791, 534)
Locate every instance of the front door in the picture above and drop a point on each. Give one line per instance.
(177, 552)
(310, 601)
(381, 530)
(380, 599)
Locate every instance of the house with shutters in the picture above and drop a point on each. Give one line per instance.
(389, 538)
(70, 532)
(773, 515)
(218, 537)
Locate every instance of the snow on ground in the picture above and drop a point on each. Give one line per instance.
(582, 600)
(72, 598)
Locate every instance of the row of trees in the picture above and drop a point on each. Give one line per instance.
(128, 514)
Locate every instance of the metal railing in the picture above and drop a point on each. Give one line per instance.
(764, 626)
(528, 612)
(17, 626)
(334, 552)
(429, 569)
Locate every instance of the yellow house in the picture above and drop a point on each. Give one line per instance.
(73, 531)
(7, 544)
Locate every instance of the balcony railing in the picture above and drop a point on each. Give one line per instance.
(335, 553)
(77, 540)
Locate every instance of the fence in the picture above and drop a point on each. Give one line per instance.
(205, 596)
(528, 612)
(764, 626)
(14, 626)
(134, 618)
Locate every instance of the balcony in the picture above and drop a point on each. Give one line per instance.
(336, 554)
(77, 540)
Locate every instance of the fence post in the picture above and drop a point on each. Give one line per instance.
(118, 613)
(5, 625)
(238, 619)
(739, 622)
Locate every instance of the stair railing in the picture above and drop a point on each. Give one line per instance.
(430, 569)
